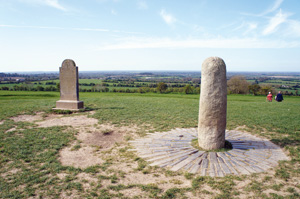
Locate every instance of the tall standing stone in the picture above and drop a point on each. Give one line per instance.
(69, 89)
(213, 104)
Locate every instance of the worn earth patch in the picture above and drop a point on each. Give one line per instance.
(118, 170)
(92, 137)
(28, 118)
(74, 121)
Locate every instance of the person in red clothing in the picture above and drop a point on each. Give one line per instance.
(269, 97)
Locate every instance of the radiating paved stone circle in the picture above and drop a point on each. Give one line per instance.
(69, 88)
(213, 104)
(173, 151)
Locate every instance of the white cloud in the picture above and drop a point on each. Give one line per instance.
(142, 5)
(77, 29)
(198, 28)
(113, 12)
(247, 27)
(274, 7)
(51, 3)
(149, 43)
(250, 27)
(55, 4)
(275, 21)
(168, 18)
(53, 27)
(294, 28)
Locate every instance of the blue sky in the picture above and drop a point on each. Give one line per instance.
(250, 35)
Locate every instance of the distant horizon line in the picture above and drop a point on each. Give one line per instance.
(141, 71)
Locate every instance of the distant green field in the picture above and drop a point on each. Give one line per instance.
(289, 82)
(88, 81)
(90, 85)
(34, 84)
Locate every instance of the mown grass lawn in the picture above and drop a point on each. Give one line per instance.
(29, 155)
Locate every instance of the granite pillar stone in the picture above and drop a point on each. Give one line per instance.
(213, 104)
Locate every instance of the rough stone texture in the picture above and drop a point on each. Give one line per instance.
(173, 150)
(69, 89)
(213, 104)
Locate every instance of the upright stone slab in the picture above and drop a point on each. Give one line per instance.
(213, 104)
(69, 89)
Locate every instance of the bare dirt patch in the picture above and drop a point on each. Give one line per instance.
(164, 181)
(10, 130)
(103, 136)
(81, 158)
(61, 175)
(69, 195)
(242, 184)
(75, 121)
(10, 172)
(28, 118)
(125, 167)
(124, 130)
(105, 141)
(133, 192)
(269, 191)
(92, 138)
(88, 177)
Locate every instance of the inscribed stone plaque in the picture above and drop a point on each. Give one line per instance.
(69, 89)
(68, 77)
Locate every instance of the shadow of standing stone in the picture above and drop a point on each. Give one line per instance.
(69, 89)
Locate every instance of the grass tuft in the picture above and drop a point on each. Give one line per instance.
(227, 147)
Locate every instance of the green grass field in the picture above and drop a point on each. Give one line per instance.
(29, 163)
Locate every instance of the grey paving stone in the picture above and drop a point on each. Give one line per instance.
(231, 167)
(169, 161)
(239, 168)
(195, 169)
(188, 166)
(257, 168)
(204, 156)
(172, 156)
(222, 155)
(211, 170)
(203, 171)
(188, 160)
(213, 157)
(173, 149)
(218, 170)
(223, 166)
(172, 163)
(169, 153)
(204, 163)
(244, 165)
(196, 166)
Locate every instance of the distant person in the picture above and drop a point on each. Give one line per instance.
(279, 97)
(269, 97)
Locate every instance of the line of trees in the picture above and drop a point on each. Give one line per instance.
(161, 88)
(30, 88)
(235, 85)
(239, 85)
